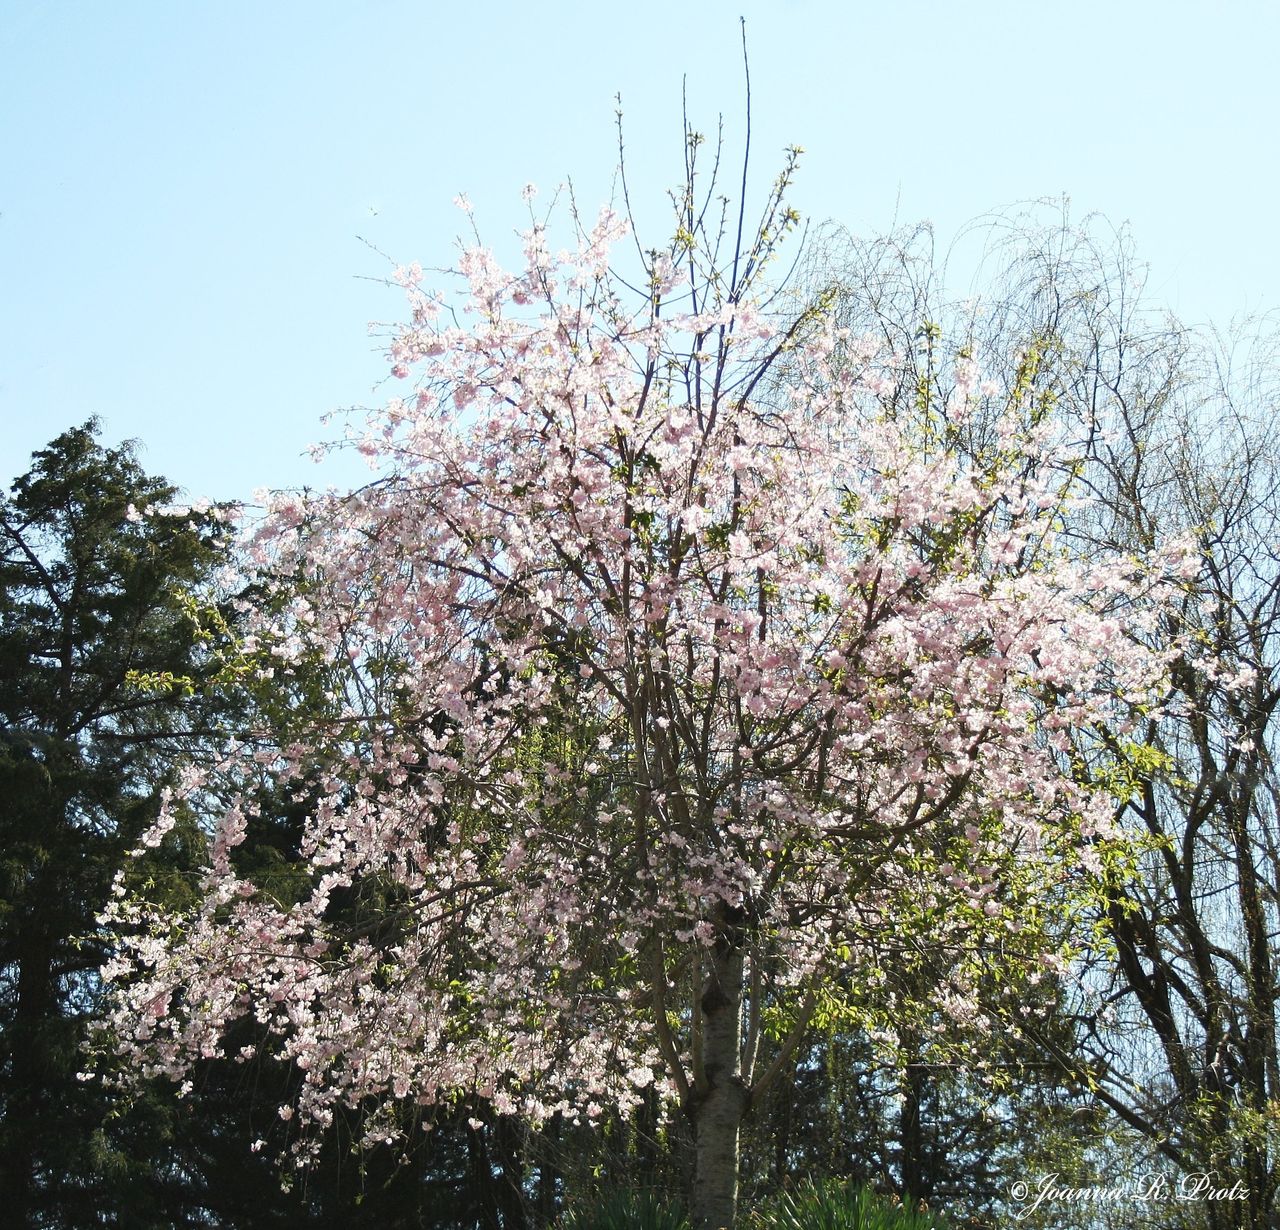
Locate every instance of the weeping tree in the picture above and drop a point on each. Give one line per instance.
(682, 680)
(1183, 1020)
(1175, 1022)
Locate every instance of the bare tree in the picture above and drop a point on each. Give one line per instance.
(1176, 1010)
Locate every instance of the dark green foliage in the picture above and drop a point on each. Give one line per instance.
(838, 1206)
(623, 1210)
(112, 671)
(115, 648)
(950, 1135)
(90, 595)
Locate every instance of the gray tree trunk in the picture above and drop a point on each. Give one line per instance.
(719, 1105)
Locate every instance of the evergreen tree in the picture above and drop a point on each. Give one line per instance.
(100, 684)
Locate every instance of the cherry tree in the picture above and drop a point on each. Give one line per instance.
(678, 681)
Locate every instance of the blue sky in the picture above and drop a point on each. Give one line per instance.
(193, 197)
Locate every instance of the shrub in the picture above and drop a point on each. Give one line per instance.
(835, 1205)
(625, 1211)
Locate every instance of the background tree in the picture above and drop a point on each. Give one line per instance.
(118, 660)
(94, 589)
(1176, 1026)
(1195, 935)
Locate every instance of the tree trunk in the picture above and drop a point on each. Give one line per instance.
(913, 1180)
(482, 1180)
(546, 1193)
(719, 1102)
(27, 1114)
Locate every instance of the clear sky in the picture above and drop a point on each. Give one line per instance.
(194, 196)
